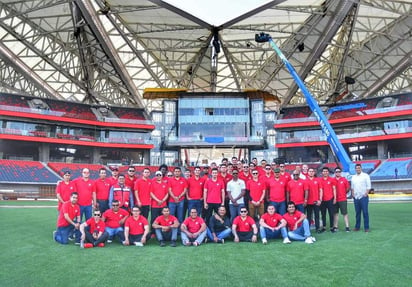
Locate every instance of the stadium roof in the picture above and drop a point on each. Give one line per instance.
(107, 52)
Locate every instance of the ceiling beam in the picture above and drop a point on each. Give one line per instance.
(98, 30)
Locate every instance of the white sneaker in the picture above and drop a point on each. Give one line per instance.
(264, 241)
(308, 240)
(313, 238)
(109, 241)
(81, 244)
(138, 244)
(287, 241)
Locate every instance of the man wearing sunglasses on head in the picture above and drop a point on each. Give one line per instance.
(93, 231)
(114, 219)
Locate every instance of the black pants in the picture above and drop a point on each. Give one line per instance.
(327, 205)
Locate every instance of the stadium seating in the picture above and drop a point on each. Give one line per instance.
(299, 112)
(367, 165)
(72, 110)
(13, 100)
(25, 171)
(387, 169)
(75, 168)
(405, 99)
(131, 114)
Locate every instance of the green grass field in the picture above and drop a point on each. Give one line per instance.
(29, 257)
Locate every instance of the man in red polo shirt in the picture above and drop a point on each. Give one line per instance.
(130, 177)
(272, 225)
(297, 191)
(283, 173)
(68, 220)
(115, 174)
(64, 189)
(194, 195)
(87, 195)
(276, 187)
(114, 219)
(159, 193)
(193, 229)
(213, 194)
(166, 227)
(315, 194)
(177, 191)
(342, 188)
(328, 198)
(136, 229)
(102, 188)
(93, 231)
(142, 192)
(298, 225)
(244, 227)
(257, 190)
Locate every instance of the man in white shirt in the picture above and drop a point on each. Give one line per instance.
(360, 187)
(236, 189)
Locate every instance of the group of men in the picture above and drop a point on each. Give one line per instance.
(235, 199)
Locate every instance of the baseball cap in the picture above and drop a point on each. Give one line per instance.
(114, 168)
(67, 172)
(158, 172)
(276, 170)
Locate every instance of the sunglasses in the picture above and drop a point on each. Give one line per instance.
(235, 173)
(96, 214)
(131, 170)
(243, 211)
(254, 173)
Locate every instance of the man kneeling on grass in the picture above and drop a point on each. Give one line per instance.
(193, 229)
(93, 233)
(166, 226)
(244, 227)
(273, 225)
(136, 229)
(68, 221)
(297, 224)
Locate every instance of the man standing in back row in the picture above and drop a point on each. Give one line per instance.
(360, 187)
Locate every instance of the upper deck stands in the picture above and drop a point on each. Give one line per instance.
(72, 110)
(13, 100)
(128, 113)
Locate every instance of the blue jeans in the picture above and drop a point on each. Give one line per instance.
(220, 235)
(119, 232)
(269, 234)
(235, 210)
(197, 204)
(62, 234)
(301, 233)
(103, 205)
(86, 210)
(300, 207)
(166, 236)
(361, 207)
(280, 206)
(199, 239)
(176, 209)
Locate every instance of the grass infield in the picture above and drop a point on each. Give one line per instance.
(29, 257)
